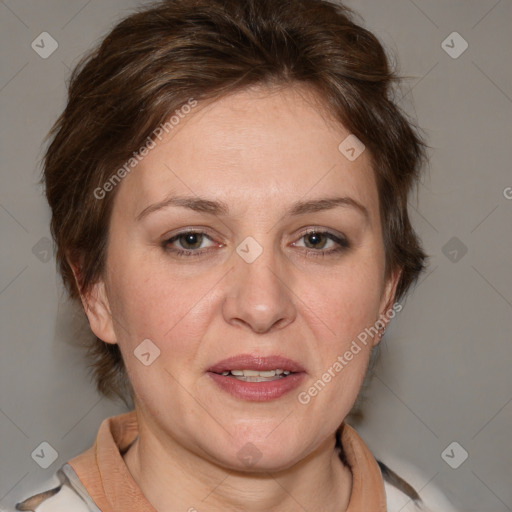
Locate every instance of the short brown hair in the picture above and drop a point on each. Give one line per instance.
(155, 60)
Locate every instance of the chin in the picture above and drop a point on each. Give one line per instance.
(260, 455)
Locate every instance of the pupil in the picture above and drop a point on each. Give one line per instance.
(192, 240)
(315, 239)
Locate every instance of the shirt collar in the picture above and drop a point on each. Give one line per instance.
(105, 476)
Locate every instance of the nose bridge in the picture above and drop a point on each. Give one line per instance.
(258, 296)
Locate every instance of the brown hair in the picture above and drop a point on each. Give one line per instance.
(156, 60)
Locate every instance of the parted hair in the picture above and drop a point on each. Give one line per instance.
(155, 60)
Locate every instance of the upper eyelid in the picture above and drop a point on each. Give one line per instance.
(341, 240)
(175, 237)
(302, 233)
(325, 231)
(186, 231)
(322, 230)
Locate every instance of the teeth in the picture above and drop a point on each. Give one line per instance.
(258, 379)
(253, 373)
(256, 373)
(269, 373)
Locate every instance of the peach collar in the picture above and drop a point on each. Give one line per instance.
(104, 474)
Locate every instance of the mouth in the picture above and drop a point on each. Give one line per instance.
(257, 378)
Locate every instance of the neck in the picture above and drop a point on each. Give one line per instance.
(173, 478)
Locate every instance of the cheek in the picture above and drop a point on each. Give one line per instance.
(339, 311)
(170, 310)
(343, 303)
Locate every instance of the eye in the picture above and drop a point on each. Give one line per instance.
(322, 242)
(188, 243)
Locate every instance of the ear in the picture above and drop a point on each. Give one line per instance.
(97, 308)
(389, 292)
(387, 303)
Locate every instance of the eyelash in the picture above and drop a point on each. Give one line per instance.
(184, 252)
(342, 244)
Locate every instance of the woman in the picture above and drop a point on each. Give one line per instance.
(228, 185)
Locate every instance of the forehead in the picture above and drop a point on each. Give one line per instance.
(258, 146)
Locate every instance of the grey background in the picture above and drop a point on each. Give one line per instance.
(444, 374)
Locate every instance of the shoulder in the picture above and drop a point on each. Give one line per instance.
(404, 494)
(67, 495)
(61, 499)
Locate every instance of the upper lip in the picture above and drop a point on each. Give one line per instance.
(257, 363)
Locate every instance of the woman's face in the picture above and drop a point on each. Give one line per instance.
(245, 240)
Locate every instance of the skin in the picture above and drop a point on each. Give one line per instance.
(259, 151)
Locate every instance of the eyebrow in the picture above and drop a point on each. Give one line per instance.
(202, 205)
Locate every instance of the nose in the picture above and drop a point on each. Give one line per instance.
(259, 295)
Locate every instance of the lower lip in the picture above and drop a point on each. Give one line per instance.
(258, 391)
